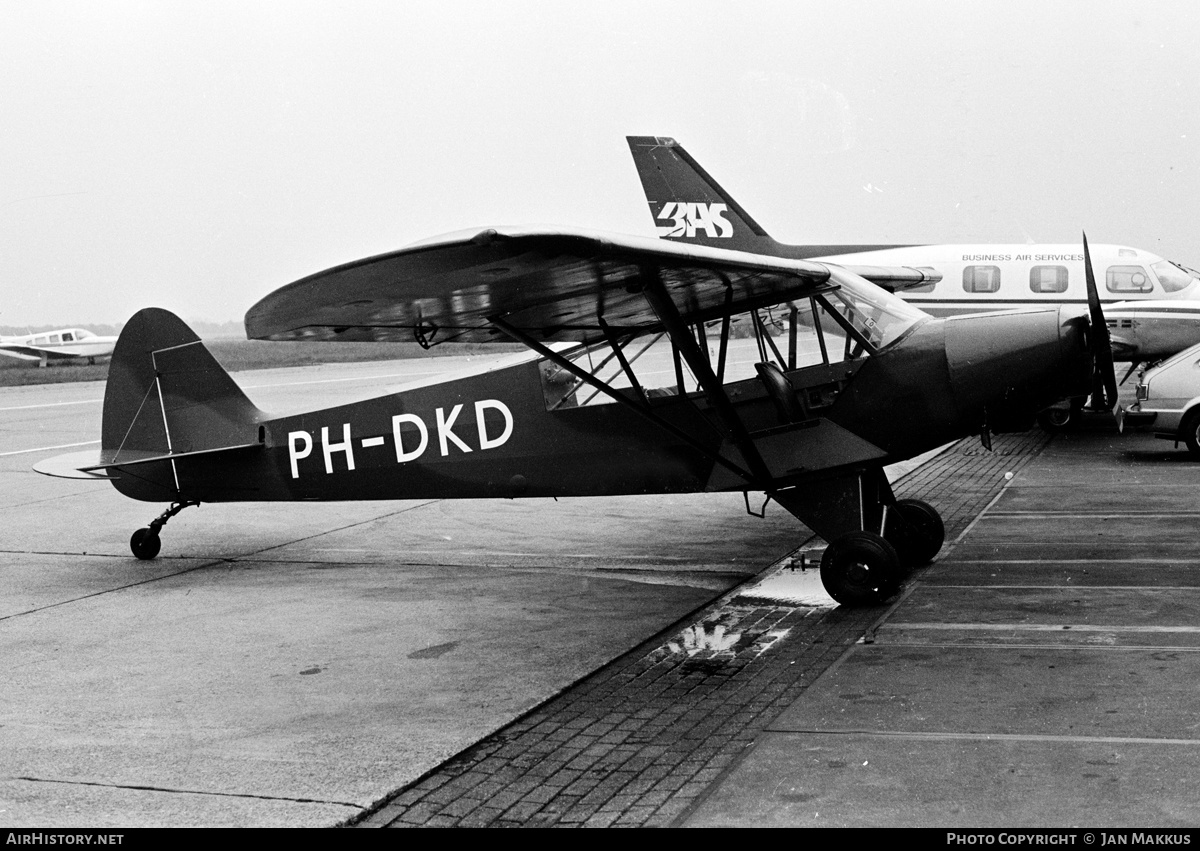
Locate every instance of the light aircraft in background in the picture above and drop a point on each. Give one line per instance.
(65, 344)
(689, 206)
(637, 381)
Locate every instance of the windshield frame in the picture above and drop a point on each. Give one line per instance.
(868, 304)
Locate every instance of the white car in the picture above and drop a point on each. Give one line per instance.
(1168, 400)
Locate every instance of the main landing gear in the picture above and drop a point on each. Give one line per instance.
(145, 542)
(862, 566)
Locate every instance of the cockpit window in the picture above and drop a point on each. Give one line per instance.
(877, 315)
(1128, 279)
(851, 320)
(1173, 276)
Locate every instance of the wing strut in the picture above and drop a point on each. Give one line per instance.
(668, 314)
(620, 353)
(583, 375)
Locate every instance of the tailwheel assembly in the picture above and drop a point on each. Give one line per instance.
(861, 569)
(145, 543)
(916, 530)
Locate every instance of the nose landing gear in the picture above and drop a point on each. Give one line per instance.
(145, 542)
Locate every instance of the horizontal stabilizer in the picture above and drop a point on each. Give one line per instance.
(90, 464)
(73, 465)
(893, 278)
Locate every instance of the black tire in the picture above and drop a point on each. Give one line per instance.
(145, 543)
(1061, 419)
(861, 569)
(1189, 433)
(917, 534)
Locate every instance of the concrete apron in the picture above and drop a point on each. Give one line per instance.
(1042, 673)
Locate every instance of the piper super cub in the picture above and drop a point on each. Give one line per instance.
(652, 367)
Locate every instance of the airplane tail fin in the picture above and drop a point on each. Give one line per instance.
(167, 397)
(688, 205)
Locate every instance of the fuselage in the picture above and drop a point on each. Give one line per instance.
(990, 276)
(503, 433)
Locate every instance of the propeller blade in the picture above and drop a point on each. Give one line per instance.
(1104, 372)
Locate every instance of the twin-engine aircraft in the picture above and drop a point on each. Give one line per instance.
(69, 345)
(653, 368)
(1153, 321)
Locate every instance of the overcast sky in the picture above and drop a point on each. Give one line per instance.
(198, 155)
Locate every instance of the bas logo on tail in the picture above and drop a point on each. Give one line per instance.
(688, 217)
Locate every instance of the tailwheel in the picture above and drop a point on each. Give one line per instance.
(861, 569)
(919, 533)
(145, 543)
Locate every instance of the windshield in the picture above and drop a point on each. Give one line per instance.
(874, 312)
(1173, 276)
(1186, 354)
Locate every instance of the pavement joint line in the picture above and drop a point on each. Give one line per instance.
(147, 581)
(1076, 561)
(89, 491)
(1032, 645)
(967, 530)
(1034, 627)
(1072, 588)
(90, 555)
(46, 448)
(172, 791)
(54, 405)
(1075, 515)
(991, 737)
(386, 514)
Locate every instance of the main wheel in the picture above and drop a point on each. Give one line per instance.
(1189, 432)
(1061, 418)
(919, 533)
(861, 569)
(145, 543)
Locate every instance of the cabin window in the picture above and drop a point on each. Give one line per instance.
(41, 341)
(68, 337)
(650, 358)
(1128, 279)
(1048, 279)
(981, 279)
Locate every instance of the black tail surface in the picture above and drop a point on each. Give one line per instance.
(168, 396)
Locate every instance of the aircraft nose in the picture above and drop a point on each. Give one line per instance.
(1005, 367)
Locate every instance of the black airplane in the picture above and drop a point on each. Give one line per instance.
(652, 368)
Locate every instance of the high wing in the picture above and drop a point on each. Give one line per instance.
(557, 284)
